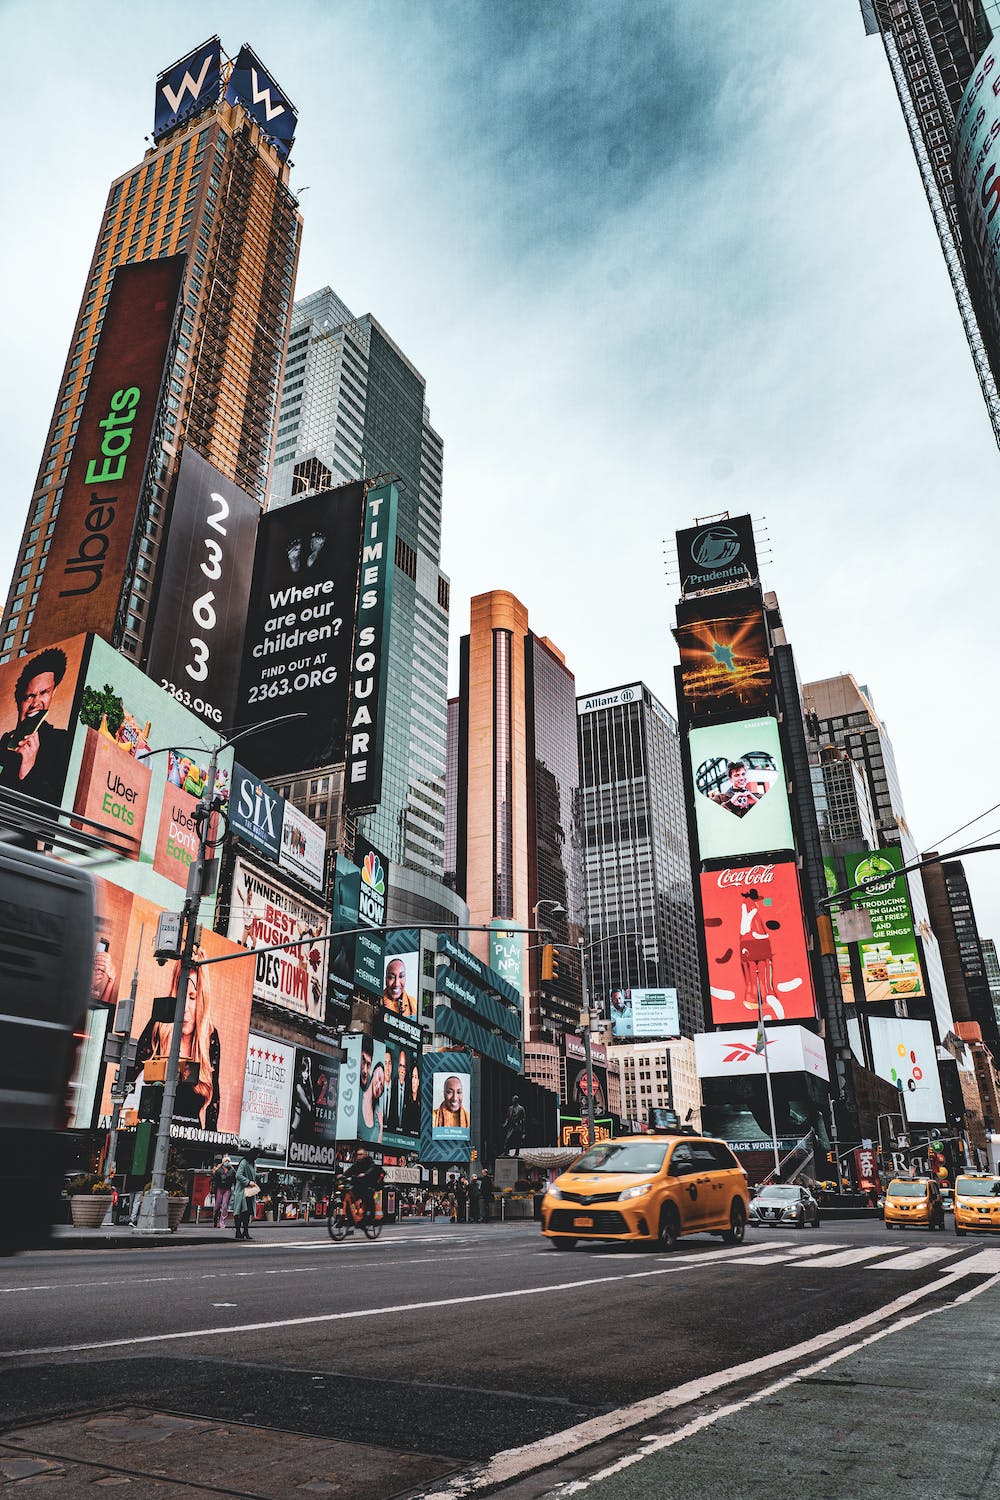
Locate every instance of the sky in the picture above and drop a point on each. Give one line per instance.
(657, 260)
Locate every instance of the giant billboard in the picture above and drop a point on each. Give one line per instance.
(890, 964)
(370, 661)
(741, 799)
(361, 1101)
(312, 1125)
(300, 630)
(86, 569)
(37, 719)
(644, 1014)
(903, 1054)
(187, 86)
(583, 1084)
(756, 945)
(725, 665)
(267, 1093)
(716, 555)
(401, 1100)
(264, 911)
(253, 87)
(204, 585)
(446, 1107)
(209, 1101)
(734, 1087)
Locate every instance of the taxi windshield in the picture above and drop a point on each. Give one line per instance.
(638, 1157)
(907, 1190)
(978, 1187)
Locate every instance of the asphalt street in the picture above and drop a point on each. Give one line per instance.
(444, 1359)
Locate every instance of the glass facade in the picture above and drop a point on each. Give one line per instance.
(637, 868)
(354, 406)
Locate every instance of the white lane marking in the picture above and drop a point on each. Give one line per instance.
(677, 1263)
(514, 1463)
(852, 1257)
(985, 1262)
(669, 1440)
(917, 1258)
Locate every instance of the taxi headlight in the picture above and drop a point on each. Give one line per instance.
(553, 1191)
(635, 1192)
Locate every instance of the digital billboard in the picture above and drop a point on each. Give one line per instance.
(735, 1107)
(644, 1014)
(201, 609)
(209, 1099)
(88, 561)
(370, 659)
(373, 896)
(251, 85)
(402, 974)
(361, 1102)
(716, 555)
(343, 918)
(903, 1054)
(890, 964)
(741, 799)
(37, 721)
(312, 1121)
(755, 943)
(135, 771)
(303, 847)
(263, 911)
(187, 85)
(276, 828)
(581, 1084)
(267, 1092)
(401, 1100)
(300, 630)
(445, 1124)
(725, 665)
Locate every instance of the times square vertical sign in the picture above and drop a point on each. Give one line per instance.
(370, 663)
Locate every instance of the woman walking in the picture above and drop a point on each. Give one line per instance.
(242, 1199)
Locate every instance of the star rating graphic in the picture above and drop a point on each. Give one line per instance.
(267, 1056)
(724, 656)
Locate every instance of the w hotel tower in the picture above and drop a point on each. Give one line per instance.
(180, 340)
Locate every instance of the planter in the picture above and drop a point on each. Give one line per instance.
(175, 1211)
(89, 1210)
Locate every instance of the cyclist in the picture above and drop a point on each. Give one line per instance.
(364, 1177)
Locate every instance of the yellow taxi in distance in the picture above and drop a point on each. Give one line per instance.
(977, 1202)
(648, 1187)
(913, 1203)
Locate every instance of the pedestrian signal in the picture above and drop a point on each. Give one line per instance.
(550, 962)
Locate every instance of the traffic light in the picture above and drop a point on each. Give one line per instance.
(550, 962)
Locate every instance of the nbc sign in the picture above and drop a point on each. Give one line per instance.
(369, 950)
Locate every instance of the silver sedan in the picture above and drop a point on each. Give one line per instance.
(784, 1203)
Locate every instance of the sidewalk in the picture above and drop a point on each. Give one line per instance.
(123, 1237)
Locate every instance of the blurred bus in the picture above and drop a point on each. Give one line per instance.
(46, 968)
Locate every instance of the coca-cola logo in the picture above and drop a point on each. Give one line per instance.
(752, 875)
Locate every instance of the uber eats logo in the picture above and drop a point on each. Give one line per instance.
(107, 467)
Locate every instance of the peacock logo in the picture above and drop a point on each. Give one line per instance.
(372, 873)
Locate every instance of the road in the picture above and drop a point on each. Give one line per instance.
(442, 1360)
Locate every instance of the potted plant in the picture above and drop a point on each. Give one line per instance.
(90, 1199)
(177, 1192)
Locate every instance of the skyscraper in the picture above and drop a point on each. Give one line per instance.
(954, 919)
(932, 47)
(214, 187)
(840, 713)
(636, 858)
(353, 406)
(517, 821)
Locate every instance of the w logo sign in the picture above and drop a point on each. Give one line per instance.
(261, 94)
(251, 86)
(191, 82)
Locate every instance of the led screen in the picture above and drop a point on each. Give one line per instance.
(741, 801)
(725, 668)
(755, 942)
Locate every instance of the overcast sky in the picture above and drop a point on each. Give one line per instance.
(656, 261)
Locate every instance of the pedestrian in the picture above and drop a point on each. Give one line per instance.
(462, 1199)
(486, 1192)
(475, 1199)
(223, 1181)
(242, 1200)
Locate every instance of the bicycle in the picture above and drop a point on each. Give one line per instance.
(347, 1212)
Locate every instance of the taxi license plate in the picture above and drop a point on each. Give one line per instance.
(582, 1221)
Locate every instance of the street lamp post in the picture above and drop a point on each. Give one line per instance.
(586, 1044)
(153, 1215)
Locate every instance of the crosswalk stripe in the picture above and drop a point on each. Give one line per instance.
(848, 1257)
(982, 1263)
(917, 1258)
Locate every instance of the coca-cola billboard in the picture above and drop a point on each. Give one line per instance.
(755, 944)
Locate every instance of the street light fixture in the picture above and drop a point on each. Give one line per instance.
(153, 1216)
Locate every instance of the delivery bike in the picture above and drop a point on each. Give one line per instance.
(347, 1212)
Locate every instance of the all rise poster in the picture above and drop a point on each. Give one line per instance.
(755, 941)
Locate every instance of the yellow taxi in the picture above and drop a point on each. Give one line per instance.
(913, 1203)
(653, 1188)
(977, 1202)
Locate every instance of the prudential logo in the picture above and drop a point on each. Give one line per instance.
(716, 547)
